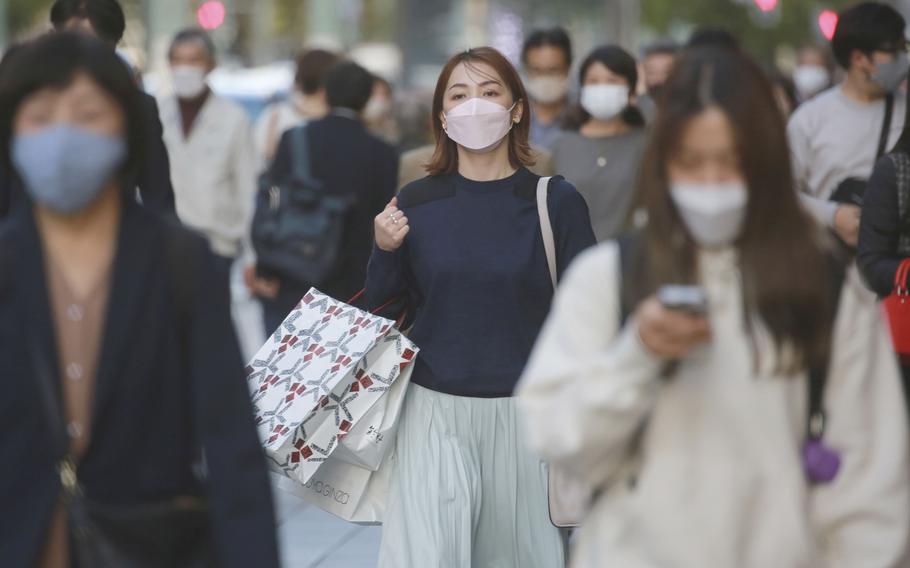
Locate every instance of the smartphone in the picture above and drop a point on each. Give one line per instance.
(689, 299)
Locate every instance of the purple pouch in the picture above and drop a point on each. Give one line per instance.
(820, 462)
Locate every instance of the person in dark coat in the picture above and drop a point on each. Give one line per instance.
(348, 161)
(114, 322)
(105, 20)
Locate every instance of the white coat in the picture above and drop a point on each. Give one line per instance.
(213, 171)
(718, 478)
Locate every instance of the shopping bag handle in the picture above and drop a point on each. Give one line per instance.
(401, 317)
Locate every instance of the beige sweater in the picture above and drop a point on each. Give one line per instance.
(719, 478)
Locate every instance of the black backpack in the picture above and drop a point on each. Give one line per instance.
(298, 229)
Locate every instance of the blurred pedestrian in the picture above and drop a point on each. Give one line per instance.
(126, 413)
(601, 155)
(348, 162)
(884, 236)
(379, 114)
(814, 71)
(691, 415)
(838, 135)
(306, 102)
(547, 60)
(462, 247)
(657, 63)
(784, 93)
(105, 20)
(711, 36)
(211, 145)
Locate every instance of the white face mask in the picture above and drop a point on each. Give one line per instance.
(810, 80)
(189, 81)
(547, 90)
(604, 102)
(479, 124)
(713, 213)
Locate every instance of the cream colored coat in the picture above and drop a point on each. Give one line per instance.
(213, 171)
(719, 481)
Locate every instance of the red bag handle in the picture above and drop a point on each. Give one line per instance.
(900, 277)
(375, 312)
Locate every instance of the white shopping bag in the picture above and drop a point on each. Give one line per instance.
(370, 440)
(317, 376)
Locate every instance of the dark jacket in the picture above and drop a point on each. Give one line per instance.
(170, 380)
(349, 161)
(153, 178)
(880, 230)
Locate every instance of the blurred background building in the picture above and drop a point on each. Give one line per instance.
(406, 41)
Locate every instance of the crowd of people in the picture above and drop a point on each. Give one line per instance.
(658, 277)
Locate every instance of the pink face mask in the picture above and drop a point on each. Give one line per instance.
(478, 124)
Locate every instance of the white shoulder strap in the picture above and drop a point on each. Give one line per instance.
(546, 229)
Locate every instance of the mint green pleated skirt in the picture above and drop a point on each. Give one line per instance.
(466, 492)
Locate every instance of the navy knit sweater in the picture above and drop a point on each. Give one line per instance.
(474, 276)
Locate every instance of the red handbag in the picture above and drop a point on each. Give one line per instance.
(897, 308)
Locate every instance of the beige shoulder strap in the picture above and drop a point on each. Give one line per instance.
(546, 228)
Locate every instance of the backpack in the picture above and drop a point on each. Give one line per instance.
(298, 230)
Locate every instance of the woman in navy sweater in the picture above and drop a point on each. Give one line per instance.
(463, 250)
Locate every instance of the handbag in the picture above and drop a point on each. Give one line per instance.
(897, 308)
(569, 497)
(173, 533)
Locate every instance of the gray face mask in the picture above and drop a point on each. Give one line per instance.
(890, 75)
(64, 168)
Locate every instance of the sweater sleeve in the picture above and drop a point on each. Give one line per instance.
(880, 229)
(863, 516)
(571, 224)
(800, 152)
(588, 386)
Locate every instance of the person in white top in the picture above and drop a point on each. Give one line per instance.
(835, 136)
(213, 165)
(692, 417)
(307, 102)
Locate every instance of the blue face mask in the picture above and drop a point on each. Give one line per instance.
(65, 167)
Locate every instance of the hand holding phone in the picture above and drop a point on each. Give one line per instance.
(672, 323)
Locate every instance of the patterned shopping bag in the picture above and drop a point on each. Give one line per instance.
(317, 376)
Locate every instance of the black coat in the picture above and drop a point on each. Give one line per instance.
(153, 178)
(170, 381)
(349, 161)
(880, 229)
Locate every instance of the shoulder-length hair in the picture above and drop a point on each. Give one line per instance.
(53, 61)
(621, 62)
(445, 158)
(785, 273)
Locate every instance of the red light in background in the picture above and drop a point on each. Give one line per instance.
(766, 5)
(211, 15)
(827, 23)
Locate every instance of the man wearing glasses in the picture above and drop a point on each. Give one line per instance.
(836, 138)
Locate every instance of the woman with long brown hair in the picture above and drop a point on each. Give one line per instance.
(463, 247)
(692, 416)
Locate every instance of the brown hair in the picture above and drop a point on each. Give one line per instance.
(445, 158)
(784, 267)
(312, 66)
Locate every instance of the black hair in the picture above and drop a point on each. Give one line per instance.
(194, 35)
(348, 85)
(312, 66)
(555, 37)
(866, 27)
(53, 61)
(713, 37)
(663, 47)
(621, 62)
(786, 84)
(106, 17)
